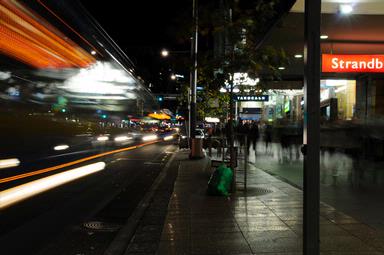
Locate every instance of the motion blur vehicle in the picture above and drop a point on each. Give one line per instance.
(124, 138)
(113, 140)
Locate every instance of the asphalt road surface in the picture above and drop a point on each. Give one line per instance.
(84, 215)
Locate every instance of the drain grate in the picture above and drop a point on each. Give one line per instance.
(252, 191)
(101, 226)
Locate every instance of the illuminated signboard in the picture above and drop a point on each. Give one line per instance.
(261, 98)
(352, 63)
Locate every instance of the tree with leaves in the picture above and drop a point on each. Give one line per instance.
(237, 28)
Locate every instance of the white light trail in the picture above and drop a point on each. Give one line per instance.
(102, 138)
(61, 147)
(149, 137)
(16, 194)
(122, 138)
(10, 162)
(168, 138)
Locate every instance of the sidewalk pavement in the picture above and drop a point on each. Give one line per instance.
(267, 220)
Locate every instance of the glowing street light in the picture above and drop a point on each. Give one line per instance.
(164, 53)
(346, 8)
(173, 77)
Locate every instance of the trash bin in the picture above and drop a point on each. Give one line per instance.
(220, 182)
(196, 148)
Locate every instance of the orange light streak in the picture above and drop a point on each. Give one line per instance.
(45, 170)
(32, 40)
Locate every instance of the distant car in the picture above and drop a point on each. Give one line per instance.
(199, 133)
(122, 139)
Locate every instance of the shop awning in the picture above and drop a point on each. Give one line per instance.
(160, 116)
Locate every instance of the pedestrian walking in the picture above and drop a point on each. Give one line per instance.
(239, 134)
(254, 136)
(268, 137)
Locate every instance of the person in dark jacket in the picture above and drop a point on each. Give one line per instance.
(254, 136)
(268, 136)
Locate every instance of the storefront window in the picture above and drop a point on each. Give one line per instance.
(352, 120)
(340, 94)
(351, 145)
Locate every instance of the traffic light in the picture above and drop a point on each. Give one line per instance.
(160, 98)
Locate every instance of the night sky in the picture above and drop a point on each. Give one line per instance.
(143, 28)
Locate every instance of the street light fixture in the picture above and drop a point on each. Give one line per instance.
(173, 77)
(193, 81)
(164, 53)
(346, 8)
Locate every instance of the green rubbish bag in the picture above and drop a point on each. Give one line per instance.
(220, 182)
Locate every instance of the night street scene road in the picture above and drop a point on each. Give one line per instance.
(192, 127)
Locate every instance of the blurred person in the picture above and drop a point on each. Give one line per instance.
(209, 130)
(245, 132)
(284, 144)
(239, 131)
(268, 137)
(254, 136)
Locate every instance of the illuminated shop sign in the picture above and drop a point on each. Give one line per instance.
(261, 98)
(352, 63)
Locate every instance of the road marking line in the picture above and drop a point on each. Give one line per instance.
(44, 170)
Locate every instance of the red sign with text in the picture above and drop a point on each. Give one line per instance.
(352, 63)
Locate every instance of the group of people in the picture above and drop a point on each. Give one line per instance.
(252, 129)
(247, 131)
(287, 139)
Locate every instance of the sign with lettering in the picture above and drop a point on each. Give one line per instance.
(259, 98)
(352, 63)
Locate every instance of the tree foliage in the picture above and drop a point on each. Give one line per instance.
(237, 28)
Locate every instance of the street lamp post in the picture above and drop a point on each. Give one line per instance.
(196, 146)
(194, 51)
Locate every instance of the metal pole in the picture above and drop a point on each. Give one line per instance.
(231, 113)
(223, 149)
(232, 136)
(245, 162)
(194, 72)
(311, 135)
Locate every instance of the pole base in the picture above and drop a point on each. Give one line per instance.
(196, 149)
